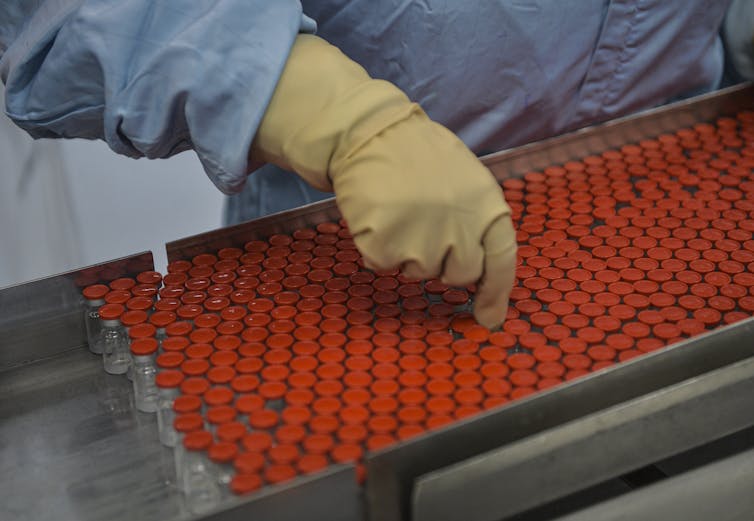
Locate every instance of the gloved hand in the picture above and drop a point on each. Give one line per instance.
(413, 195)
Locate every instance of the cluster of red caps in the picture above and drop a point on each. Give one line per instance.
(300, 357)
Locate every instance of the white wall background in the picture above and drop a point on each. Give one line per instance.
(125, 206)
(83, 197)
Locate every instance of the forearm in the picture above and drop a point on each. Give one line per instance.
(155, 78)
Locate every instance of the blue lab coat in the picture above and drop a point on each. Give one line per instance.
(154, 78)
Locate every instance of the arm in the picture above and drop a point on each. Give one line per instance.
(157, 78)
(414, 196)
(738, 34)
(153, 78)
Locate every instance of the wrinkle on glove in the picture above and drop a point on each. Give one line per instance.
(500, 73)
(152, 78)
(414, 196)
(738, 32)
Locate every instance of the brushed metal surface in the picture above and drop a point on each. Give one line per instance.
(557, 462)
(282, 222)
(73, 447)
(514, 162)
(393, 471)
(615, 133)
(722, 491)
(45, 317)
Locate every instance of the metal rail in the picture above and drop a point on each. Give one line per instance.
(557, 462)
(45, 317)
(66, 430)
(720, 491)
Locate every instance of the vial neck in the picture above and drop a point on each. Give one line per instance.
(169, 392)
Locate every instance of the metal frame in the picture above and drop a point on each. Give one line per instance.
(393, 472)
(720, 491)
(604, 445)
(61, 414)
(45, 317)
(72, 446)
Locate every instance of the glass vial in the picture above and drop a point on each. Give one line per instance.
(94, 298)
(222, 455)
(183, 425)
(199, 483)
(144, 372)
(112, 338)
(168, 383)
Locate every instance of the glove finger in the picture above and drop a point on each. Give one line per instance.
(376, 256)
(491, 299)
(415, 270)
(463, 264)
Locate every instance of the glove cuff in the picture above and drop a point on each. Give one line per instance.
(324, 108)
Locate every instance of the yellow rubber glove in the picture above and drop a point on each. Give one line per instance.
(413, 195)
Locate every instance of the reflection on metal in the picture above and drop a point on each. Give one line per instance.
(45, 317)
(618, 132)
(283, 222)
(392, 472)
(72, 446)
(332, 495)
(70, 431)
(721, 491)
(593, 449)
(508, 163)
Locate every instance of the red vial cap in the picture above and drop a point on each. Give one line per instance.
(230, 432)
(244, 383)
(221, 375)
(217, 396)
(96, 292)
(144, 347)
(169, 379)
(263, 419)
(194, 386)
(141, 331)
(198, 351)
(197, 440)
(168, 360)
(182, 328)
(190, 422)
(111, 311)
(291, 433)
(279, 473)
(221, 414)
(161, 319)
(117, 297)
(142, 303)
(131, 318)
(283, 454)
(311, 463)
(249, 462)
(249, 364)
(245, 483)
(149, 277)
(249, 403)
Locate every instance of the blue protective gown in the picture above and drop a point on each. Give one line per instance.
(154, 78)
(504, 73)
(150, 77)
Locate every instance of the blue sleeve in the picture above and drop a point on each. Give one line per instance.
(152, 78)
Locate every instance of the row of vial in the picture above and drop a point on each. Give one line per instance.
(204, 469)
(203, 482)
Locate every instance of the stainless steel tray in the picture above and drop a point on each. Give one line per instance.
(72, 447)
